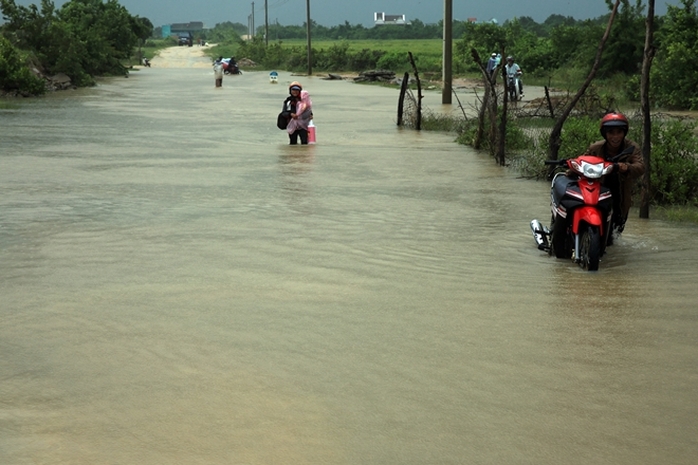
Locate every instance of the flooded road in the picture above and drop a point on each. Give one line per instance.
(178, 285)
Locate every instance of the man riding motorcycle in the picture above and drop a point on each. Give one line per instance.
(614, 128)
(514, 69)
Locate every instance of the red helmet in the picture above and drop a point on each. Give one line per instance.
(614, 120)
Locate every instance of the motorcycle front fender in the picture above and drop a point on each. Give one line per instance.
(589, 215)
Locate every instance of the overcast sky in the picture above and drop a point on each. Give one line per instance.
(334, 12)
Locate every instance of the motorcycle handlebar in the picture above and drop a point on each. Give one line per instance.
(630, 149)
(555, 162)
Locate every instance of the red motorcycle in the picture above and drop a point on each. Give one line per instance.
(581, 208)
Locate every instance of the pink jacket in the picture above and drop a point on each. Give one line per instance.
(304, 112)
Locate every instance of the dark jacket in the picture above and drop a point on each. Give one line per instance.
(290, 104)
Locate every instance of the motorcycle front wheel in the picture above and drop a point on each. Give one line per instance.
(513, 95)
(560, 244)
(590, 248)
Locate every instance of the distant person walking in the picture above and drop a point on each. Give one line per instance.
(218, 71)
(492, 64)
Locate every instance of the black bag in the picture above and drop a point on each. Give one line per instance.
(282, 119)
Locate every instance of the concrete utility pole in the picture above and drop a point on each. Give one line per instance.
(252, 34)
(448, 52)
(266, 23)
(310, 66)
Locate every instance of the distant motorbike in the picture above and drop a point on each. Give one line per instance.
(146, 62)
(230, 66)
(513, 86)
(581, 207)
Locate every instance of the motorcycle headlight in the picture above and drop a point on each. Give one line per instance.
(592, 170)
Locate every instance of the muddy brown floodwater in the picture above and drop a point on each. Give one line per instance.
(178, 285)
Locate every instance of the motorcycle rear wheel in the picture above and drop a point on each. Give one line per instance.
(590, 248)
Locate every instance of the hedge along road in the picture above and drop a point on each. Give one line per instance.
(179, 285)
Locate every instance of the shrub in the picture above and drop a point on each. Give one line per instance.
(576, 136)
(365, 59)
(396, 61)
(674, 163)
(14, 73)
(336, 57)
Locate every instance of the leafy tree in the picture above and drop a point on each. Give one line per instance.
(346, 31)
(575, 45)
(142, 27)
(675, 70)
(529, 25)
(624, 49)
(458, 28)
(106, 30)
(226, 32)
(15, 76)
(84, 38)
(484, 37)
(554, 21)
(521, 44)
(28, 28)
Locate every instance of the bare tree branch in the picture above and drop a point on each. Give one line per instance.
(555, 139)
(646, 116)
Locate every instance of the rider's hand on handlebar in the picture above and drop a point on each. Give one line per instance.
(621, 167)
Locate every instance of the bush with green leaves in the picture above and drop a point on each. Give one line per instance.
(254, 49)
(364, 59)
(576, 136)
(675, 70)
(275, 56)
(335, 57)
(674, 163)
(15, 76)
(395, 61)
(82, 39)
(296, 59)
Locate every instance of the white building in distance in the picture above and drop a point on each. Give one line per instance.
(380, 19)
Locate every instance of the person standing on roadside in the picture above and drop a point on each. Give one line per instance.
(218, 71)
(492, 65)
(300, 107)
